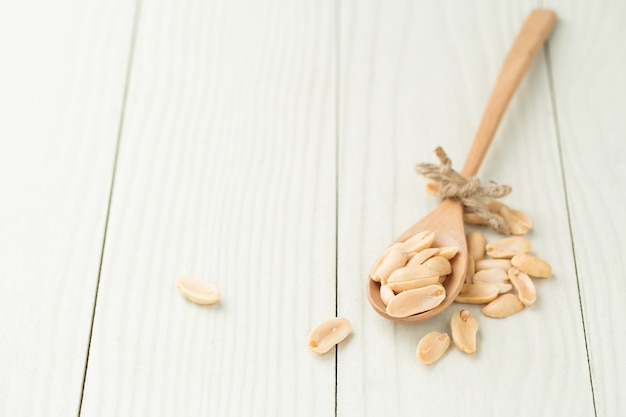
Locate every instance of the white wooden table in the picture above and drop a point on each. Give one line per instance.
(268, 147)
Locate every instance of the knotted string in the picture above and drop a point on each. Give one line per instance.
(467, 190)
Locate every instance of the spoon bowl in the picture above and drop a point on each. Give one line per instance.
(446, 221)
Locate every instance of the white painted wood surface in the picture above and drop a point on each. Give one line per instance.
(589, 70)
(268, 147)
(226, 173)
(62, 77)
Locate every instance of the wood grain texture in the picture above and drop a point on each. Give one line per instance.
(589, 65)
(62, 80)
(414, 76)
(226, 173)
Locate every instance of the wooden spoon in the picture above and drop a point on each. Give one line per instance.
(447, 219)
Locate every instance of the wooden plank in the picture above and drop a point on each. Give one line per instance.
(588, 64)
(227, 173)
(414, 76)
(62, 79)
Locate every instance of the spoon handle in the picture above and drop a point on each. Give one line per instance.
(529, 40)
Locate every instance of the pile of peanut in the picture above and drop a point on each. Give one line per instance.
(411, 274)
(508, 266)
(500, 276)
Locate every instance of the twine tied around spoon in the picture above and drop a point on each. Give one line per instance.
(467, 190)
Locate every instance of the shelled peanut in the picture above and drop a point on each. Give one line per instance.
(502, 277)
(411, 274)
(463, 327)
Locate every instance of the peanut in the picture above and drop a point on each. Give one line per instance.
(503, 264)
(393, 258)
(524, 286)
(489, 276)
(432, 346)
(476, 245)
(533, 266)
(386, 293)
(410, 277)
(422, 256)
(416, 301)
(477, 293)
(439, 264)
(471, 270)
(419, 241)
(464, 327)
(508, 247)
(197, 291)
(503, 306)
(517, 221)
(448, 252)
(329, 333)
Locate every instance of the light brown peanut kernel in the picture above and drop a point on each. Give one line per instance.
(432, 347)
(533, 266)
(489, 276)
(422, 256)
(476, 243)
(503, 264)
(517, 222)
(393, 258)
(198, 291)
(503, 306)
(523, 285)
(477, 293)
(439, 264)
(419, 241)
(329, 333)
(410, 277)
(508, 247)
(386, 293)
(471, 270)
(448, 252)
(464, 327)
(416, 301)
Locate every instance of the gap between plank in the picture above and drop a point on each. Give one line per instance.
(120, 129)
(557, 129)
(337, 73)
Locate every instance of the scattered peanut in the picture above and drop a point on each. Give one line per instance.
(464, 327)
(508, 247)
(432, 346)
(476, 245)
(518, 222)
(524, 286)
(471, 270)
(477, 293)
(503, 306)
(503, 264)
(495, 276)
(533, 266)
(197, 291)
(329, 333)
(489, 276)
